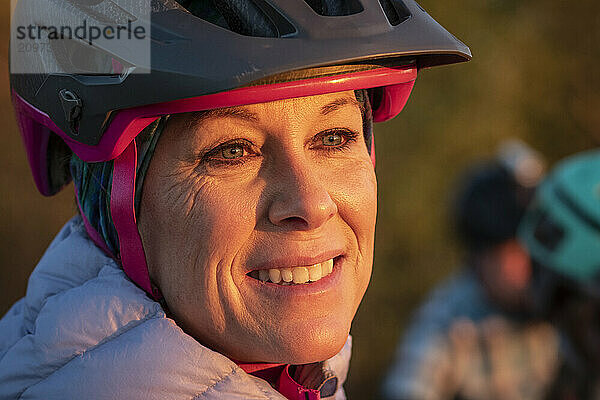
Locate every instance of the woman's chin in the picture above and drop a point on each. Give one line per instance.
(301, 345)
(306, 353)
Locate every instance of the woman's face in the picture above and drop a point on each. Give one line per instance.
(281, 190)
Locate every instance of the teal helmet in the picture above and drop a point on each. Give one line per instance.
(561, 228)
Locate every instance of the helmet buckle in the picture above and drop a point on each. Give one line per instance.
(72, 106)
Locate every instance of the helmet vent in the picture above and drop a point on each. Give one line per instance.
(245, 17)
(335, 8)
(395, 11)
(548, 233)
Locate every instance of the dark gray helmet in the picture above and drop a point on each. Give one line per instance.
(200, 47)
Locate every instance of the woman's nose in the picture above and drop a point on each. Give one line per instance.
(302, 201)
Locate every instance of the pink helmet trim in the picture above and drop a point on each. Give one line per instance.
(393, 100)
(35, 128)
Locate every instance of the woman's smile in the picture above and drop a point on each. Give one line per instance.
(290, 264)
(284, 284)
(286, 276)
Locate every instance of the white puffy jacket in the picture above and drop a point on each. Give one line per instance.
(84, 331)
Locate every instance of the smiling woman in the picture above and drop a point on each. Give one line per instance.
(226, 225)
(289, 194)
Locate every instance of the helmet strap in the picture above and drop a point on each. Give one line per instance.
(372, 150)
(122, 209)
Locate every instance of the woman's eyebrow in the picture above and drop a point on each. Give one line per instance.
(235, 112)
(339, 103)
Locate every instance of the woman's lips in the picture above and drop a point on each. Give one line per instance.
(295, 275)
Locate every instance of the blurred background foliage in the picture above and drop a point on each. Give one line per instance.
(534, 76)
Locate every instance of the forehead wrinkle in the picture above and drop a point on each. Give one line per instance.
(193, 120)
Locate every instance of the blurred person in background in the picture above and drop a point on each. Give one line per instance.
(475, 337)
(561, 231)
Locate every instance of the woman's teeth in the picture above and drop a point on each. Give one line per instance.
(297, 275)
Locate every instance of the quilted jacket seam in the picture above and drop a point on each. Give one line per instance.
(98, 345)
(233, 371)
(45, 301)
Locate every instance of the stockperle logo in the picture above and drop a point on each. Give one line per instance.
(93, 37)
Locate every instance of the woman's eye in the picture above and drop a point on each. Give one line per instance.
(232, 151)
(332, 139)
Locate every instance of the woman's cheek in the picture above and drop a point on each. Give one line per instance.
(357, 194)
(224, 210)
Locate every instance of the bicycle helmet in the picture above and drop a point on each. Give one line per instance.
(561, 229)
(207, 54)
